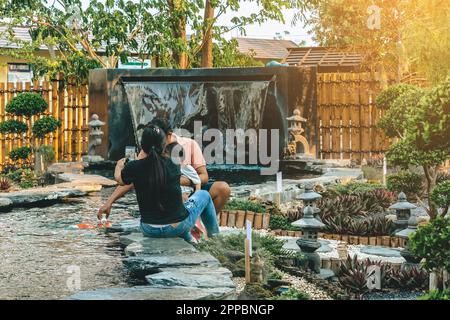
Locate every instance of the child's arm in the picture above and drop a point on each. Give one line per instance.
(198, 187)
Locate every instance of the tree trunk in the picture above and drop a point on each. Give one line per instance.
(434, 281)
(179, 31)
(207, 49)
(430, 175)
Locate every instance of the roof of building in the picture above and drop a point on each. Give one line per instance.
(22, 34)
(326, 59)
(265, 48)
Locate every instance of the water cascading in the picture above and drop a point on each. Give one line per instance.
(221, 105)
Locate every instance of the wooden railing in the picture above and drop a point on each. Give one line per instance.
(67, 102)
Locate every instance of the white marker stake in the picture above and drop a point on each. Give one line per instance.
(384, 170)
(249, 235)
(248, 250)
(279, 187)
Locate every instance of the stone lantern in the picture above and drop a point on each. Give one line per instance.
(405, 234)
(295, 130)
(310, 198)
(402, 210)
(95, 139)
(308, 243)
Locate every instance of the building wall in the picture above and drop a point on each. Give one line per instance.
(4, 60)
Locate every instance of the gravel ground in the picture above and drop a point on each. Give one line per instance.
(305, 286)
(239, 282)
(400, 295)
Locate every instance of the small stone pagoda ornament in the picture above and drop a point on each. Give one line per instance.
(413, 222)
(402, 210)
(295, 130)
(308, 243)
(95, 139)
(310, 198)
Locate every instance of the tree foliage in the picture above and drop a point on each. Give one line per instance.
(104, 32)
(413, 35)
(431, 242)
(419, 121)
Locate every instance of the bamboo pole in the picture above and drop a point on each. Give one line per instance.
(2, 118)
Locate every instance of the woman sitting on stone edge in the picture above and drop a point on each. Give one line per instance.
(156, 179)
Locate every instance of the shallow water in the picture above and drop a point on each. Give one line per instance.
(38, 248)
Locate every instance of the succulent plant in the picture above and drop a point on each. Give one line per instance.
(5, 184)
(411, 278)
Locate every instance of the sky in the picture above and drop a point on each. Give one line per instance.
(267, 30)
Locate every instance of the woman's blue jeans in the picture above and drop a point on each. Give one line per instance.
(200, 204)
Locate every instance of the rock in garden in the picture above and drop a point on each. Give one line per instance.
(200, 277)
(156, 293)
(148, 264)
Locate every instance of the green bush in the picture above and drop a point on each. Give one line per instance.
(354, 188)
(387, 97)
(279, 221)
(13, 126)
(21, 153)
(431, 242)
(25, 178)
(45, 125)
(293, 294)
(237, 204)
(26, 104)
(436, 295)
(405, 181)
(441, 195)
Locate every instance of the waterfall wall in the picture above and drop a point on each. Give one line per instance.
(228, 98)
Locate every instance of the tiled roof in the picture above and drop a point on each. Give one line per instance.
(326, 59)
(22, 35)
(265, 48)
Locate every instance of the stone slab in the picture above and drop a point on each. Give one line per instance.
(199, 277)
(34, 195)
(93, 179)
(5, 202)
(68, 167)
(156, 293)
(148, 264)
(291, 244)
(381, 251)
(154, 246)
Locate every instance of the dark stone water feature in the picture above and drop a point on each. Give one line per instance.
(221, 105)
(228, 98)
(37, 245)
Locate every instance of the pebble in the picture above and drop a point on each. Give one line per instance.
(305, 286)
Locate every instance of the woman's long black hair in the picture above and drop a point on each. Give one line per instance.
(153, 143)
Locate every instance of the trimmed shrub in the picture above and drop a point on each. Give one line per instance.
(405, 181)
(45, 125)
(21, 153)
(27, 104)
(13, 126)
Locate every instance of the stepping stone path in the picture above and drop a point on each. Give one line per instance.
(173, 270)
